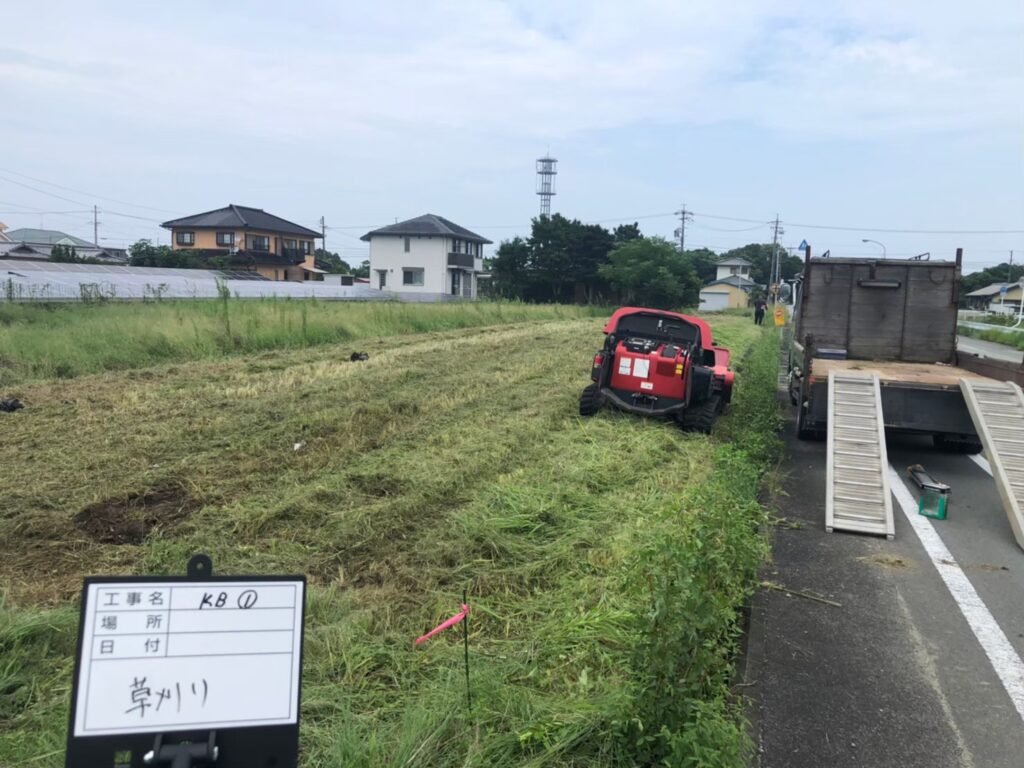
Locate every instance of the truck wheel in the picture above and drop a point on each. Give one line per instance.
(590, 400)
(701, 417)
(955, 444)
(803, 430)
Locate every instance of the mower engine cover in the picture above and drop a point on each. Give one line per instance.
(659, 362)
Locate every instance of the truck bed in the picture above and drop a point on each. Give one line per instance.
(895, 372)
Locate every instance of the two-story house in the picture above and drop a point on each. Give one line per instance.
(735, 265)
(429, 255)
(255, 240)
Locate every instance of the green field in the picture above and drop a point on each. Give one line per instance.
(605, 559)
(68, 340)
(1008, 337)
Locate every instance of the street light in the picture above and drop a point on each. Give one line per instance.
(866, 240)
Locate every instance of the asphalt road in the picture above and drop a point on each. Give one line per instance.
(989, 349)
(895, 675)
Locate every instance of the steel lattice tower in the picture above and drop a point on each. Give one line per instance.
(546, 172)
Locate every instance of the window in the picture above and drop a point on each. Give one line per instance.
(305, 246)
(456, 246)
(289, 245)
(407, 244)
(734, 270)
(412, 276)
(225, 239)
(185, 238)
(258, 242)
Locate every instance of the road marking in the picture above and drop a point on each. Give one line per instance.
(1004, 659)
(981, 461)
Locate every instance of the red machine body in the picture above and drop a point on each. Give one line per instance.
(660, 363)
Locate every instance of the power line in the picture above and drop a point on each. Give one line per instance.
(83, 192)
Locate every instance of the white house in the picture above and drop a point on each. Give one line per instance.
(734, 266)
(428, 258)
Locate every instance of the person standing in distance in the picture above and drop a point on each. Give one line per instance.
(759, 309)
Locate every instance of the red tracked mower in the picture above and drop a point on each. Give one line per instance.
(659, 363)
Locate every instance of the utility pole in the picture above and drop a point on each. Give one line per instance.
(684, 216)
(1009, 270)
(323, 232)
(776, 271)
(95, 226)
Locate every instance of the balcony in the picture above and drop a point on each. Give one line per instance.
(296, 254)
(465, 260)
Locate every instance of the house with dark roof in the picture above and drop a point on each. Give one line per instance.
(428, 255)
(31, 244)
(734, 265)
(253, 240)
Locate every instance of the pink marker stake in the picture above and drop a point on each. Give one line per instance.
(445, 625)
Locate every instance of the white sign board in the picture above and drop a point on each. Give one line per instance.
(161, 656)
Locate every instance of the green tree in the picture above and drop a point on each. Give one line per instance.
(704, 262)
(1001, 273)
(65, 254)
(510, 269)
(652, 273)
(142, 253)
(363, 270)
(560, 262)
(333, 262)
(626, 232)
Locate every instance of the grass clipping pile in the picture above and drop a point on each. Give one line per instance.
(606, 559)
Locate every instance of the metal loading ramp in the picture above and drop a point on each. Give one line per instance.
(998, 413)
(857, 490)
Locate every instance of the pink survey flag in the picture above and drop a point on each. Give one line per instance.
(446, 624)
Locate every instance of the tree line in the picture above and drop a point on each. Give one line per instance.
(143, 253)
(566, 261)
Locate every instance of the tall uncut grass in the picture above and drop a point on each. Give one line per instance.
(68, 340)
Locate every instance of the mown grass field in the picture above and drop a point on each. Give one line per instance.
(605, 559)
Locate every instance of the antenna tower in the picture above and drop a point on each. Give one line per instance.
(546, 172)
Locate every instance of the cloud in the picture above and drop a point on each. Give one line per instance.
(531, 70)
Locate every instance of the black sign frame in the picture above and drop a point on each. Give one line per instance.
(270, 746)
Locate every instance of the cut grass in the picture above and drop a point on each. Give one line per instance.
(449, 460)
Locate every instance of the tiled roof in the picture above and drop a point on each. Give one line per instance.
(430, 225)
(44, 236)
(241, 217)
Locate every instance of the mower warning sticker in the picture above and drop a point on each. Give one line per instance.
(624, 363)
(646, 385)
(641, 368)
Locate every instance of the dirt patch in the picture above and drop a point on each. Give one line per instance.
(128, 519)
(887, 561)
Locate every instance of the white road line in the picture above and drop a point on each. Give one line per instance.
(1004, 659)
(981, 461)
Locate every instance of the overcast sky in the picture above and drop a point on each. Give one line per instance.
(867, 115)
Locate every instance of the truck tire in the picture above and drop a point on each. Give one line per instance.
(700, 417)
(955, 444)
(803, 430)
(590, 400)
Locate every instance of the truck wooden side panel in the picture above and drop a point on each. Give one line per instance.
(881, 310)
